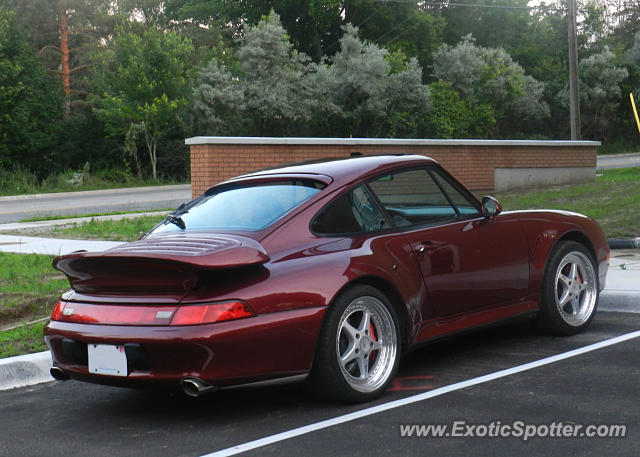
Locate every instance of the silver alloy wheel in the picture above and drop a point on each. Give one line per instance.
(366, 344)
(575, 288)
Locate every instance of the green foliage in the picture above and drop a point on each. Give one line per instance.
(397, 26)
(86, 22)
(20, 180)
(26, 339)
(29, 272)
(632, 55)
(277, 92)
(361, 94)
(217, 101)
(489, 76)
(17, 180)
(243, 68)
(355, 84)
(492, 27)
(272, 73)
(30, 101)
(142, 82)
(452, 117)
(599, 84)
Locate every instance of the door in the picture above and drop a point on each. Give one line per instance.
(467, 261)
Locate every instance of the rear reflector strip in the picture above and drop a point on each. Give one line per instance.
(84, 313)
(208, 313)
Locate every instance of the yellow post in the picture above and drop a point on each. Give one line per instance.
(635, 112)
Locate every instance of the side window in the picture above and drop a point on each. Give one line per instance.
(463, 203)
(412, 198)
(352, 212)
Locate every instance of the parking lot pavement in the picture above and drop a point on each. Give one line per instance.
(597, 387)
(577, 392)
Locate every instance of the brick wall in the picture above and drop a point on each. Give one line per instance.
(215, 159)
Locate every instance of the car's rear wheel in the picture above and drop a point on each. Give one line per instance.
(358, 347)
(569, 290)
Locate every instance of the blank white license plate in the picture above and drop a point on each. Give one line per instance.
(107, 359)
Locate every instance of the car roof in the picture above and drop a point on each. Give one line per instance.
(342, 170)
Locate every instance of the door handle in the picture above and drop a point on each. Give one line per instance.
(426, 247)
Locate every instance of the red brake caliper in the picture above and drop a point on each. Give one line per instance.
(373, 338)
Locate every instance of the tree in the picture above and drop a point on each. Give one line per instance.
(600, 79)
(361, 94)
(141, 85)
(30, 102)
(490, 76)
(453, 117)
(149, 12)
(627, 20)
(632, 55)
(363, 91)
(218, 101)
(408, 100)
(66, 32)
(408, 27)
(272, 74)
(315, 26)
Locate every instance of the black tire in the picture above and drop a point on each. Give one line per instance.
(371, 353)
(570, 290)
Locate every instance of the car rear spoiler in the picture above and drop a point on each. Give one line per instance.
(160, 264)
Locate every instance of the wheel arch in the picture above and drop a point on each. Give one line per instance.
(548, 318)
(581, 238)
(392, 294)
(546, 243)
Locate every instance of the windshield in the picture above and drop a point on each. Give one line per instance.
(249, 207)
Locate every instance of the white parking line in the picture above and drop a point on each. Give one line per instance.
(416, 398)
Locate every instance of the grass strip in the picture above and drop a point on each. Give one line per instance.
(26, 339)
(613, 200)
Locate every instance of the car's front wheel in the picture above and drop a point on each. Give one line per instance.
(358, 347)
(569, 290)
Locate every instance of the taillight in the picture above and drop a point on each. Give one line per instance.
(210, 313)
(84, 313)
(57, 311)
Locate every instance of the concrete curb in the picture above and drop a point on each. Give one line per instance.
(25, 370)
(620, 301)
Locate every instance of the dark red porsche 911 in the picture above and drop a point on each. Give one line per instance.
(327, 271)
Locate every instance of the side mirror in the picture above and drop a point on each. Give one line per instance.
(490, 207)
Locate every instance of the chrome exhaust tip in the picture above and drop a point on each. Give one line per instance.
(58, 374)
(195, 387)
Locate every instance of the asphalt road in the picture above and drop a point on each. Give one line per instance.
(618, 161)
(16, 208)
(597, 387)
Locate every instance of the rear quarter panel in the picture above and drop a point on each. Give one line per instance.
(545, 229)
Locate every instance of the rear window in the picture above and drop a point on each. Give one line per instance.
(241, 207)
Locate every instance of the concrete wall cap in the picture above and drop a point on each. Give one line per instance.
(229, 140)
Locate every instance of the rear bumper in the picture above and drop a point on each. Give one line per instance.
(226, 353)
